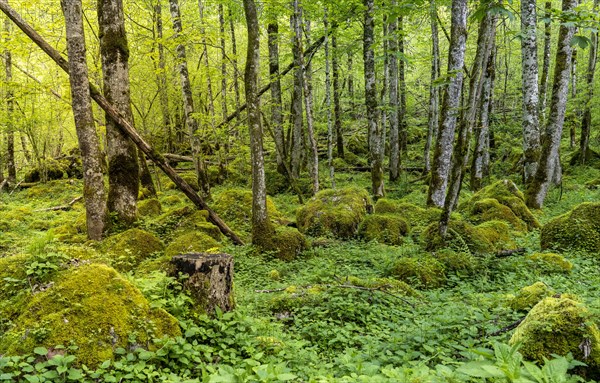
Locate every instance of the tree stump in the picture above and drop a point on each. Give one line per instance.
(210, 281)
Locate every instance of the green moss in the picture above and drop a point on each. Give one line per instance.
(488, 237)
(384, 228)
(15, 290)
(162, 263)
(529, 296)
(92, 307)
(193, 242)
(578, 229)
(489, 209)
(149, 208)
(459, 262)
(423, 271)
(48, 170)
(354, 160)
(334, 212)
(188, 177)
(507, 194)
(551, 262)
(126, 250)
(171, 200)
(276, 182)
(288, 243)
(417, 217)
(558, 326)
(198, 221)
(357, 144)
(339, 163)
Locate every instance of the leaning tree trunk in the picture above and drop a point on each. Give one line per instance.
(452, 94)
(188, 102)
(297, 142)
(531, 129)
(276, 99)
(375, 129)
(10, 129)
(545, 61)
(586, 120)
(123, 167)
(337, 105)
(262, 231)
(538, 189)
(394, 98)
(89, 145)
(434, 90)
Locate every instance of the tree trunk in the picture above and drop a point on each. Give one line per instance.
(262, 231)
(545, 62)
(236, 76)
(123, 167)
(209, 280)
(223, 62)
(394, 98)
(89, 145)
(450, 103)
(586, 119)
(538, 189)
(145, 176)
(434, 90)
(209, 90)
(297, 144)
(10, 129)
(188, 102)
(403, 132)
(375, 129)
(161, 76)
(572, 132)
(276, 98)
(337, 107)
(531, 128)
(328, 101)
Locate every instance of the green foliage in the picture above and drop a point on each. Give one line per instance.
(192, 242)
(127, 250)
(423, 271)
(529, 296)
(385, 228)
(551, 262)
(577, 229)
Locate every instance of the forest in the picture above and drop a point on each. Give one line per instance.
(299, 191)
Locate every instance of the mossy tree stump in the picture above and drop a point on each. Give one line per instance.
(210, 281)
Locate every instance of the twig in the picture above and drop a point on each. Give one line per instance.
(508, 253)
(15, 188)
(63, 207)
(511, 326)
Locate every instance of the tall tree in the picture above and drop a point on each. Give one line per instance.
(276, 98)
(297, 141)
(375, 129)
(549, 159)
(586, 120)
(394, 97)
(10, 127)
(434, 90)
(161, 75)
(234, 60)
(123, 167)
(209, 90)
(328, 99)
(89, 145)
(337, 105)
(262, 231)
(188, 101)
(440, 170)
(531, 129)
(223, 62)
(545, 59)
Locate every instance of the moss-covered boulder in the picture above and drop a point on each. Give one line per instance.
(458, 262)
(127, 249)
(578, 229)
(559, 326)
(384, 228)
(197, 221)
(334, 212)
(288, 243)
(529, 296)
(188, 177)
(425, 271)
(149, 207)
(49, 170)
(192, 242)
(551, 262)
(487, 237)
(91, 307)
(506, 193)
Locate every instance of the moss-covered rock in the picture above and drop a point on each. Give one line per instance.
(592, 158)
(417, 217)
(49, 170)
(91, 307)
(149, 207)
(334, 212)
(423, 271)
(458, 262)
(384, 228)
(126, 250)
(288, 243)
(558, 326)
(507, 194)
(578, 229)
(198, 221)
(488, 237)
(529, 296)
(357, 144)
(551, 262)
(489, 209)
(188, 177)
(192, 242)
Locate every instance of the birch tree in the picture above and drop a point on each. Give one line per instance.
(586, 120)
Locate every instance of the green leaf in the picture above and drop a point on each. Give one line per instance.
(41, 351)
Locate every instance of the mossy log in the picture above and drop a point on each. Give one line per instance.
(210, 281)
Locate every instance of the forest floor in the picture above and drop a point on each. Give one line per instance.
(321, 317)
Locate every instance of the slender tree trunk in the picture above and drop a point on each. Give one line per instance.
(161, 76)
(223, 62)
(350, 81)
(188, 102)
(276, 98)
(434, 90)
(486, 36)
(10, 129)
(89, 145)
(452, 94)
(209, 90)
(572, 132)
(383, 99)
(145, 176)
(538, 189)
(394, 98)
(375, 129)
(531, 128)
(479, 168)
(328, 100)
(586, 119)
(236, 76)
(403, 132)
(123, 167)
(297, 144)
(262, 230)
(337, 107)
(546, 61)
